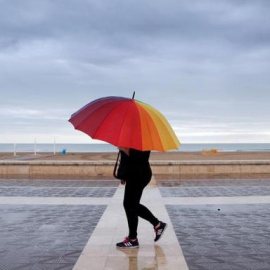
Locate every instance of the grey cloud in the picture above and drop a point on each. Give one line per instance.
(206, 60)
(122, 23)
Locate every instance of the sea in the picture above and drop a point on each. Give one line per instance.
(82, 148)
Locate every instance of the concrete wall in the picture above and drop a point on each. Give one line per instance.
(212, 167)
(84, 169)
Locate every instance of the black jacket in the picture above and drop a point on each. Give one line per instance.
(135, 165)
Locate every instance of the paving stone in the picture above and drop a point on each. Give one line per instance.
(58, 188)
(236, 237)
(31, 244)
(57, 192)
(214, 188)
(57, 183)
(215, 192)
(214, 182)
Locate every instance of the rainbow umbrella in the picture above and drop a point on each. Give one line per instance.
(125, 122)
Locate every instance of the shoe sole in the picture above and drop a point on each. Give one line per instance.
(127, 247)
(162, 232)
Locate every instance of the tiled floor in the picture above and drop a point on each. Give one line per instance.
(74, 224)
(57, 188)
(57, 192)
(223, 236)
(45, 237)
(215, 188)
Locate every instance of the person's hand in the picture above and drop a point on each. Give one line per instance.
(123, 182)
(124, 149)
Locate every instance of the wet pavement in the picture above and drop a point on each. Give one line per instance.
(45, 237)
(223, 236)
(215, 188)
(74, 224)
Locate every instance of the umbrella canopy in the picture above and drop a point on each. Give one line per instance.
(125, 122)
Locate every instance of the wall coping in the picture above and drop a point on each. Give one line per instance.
(153, 163)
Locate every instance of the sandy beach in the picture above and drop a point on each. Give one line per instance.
(189, 156)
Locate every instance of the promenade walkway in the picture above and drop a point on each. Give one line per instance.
(74, 224)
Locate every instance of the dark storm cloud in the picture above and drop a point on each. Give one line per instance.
(127, 24)
(191, 59)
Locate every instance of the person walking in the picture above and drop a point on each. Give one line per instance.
(135, 173)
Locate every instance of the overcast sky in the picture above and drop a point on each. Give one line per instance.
(204, 64)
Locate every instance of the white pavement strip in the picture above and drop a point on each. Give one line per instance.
(100, 253)
(216, 200)
(164, 200)
(54, 200)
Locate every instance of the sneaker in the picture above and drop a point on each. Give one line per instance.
(128, 243)
(160, 230)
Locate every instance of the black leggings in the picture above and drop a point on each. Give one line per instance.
(133, 193)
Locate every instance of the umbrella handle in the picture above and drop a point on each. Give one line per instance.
(116, 165)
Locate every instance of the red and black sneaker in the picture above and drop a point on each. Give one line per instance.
(127, 243)
(160, 230)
